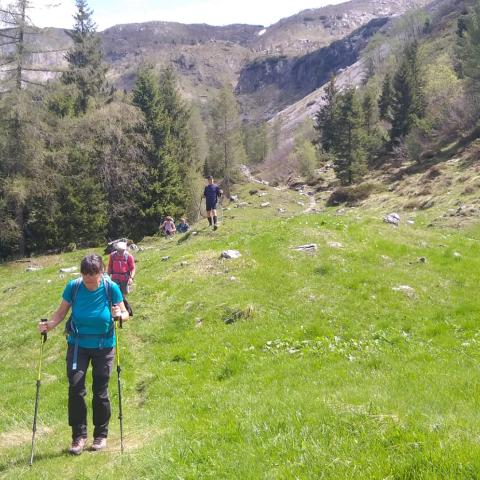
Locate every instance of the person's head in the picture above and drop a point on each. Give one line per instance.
(169, 219)
(183, 220)
(210, 179)
(120, 247)
(92, 268)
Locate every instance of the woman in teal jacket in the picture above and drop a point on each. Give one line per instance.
(95, 300)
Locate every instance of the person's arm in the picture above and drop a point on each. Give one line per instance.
(57, 317)
(131, 263)
(110, 265)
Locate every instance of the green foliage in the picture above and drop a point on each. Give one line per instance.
(226, 146)
(326, 118)
(408, 94)
(385, 101)
(469, 51)
(255, 139)
(85, 59)
(166, 119)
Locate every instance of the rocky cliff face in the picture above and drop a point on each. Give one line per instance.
(286, 80)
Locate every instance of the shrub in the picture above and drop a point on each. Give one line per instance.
(351, 195)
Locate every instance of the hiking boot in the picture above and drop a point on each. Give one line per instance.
(78, 444)
(99, 443)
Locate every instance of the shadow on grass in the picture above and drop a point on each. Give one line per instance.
(24, 461)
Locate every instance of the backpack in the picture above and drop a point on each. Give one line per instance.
(120, 265)
(72, 330)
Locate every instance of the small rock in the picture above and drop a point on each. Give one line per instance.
(230, 254)
(133, 247)
(234, 198)
(310, 247)
(281, 210)
(198, 322)
(68, 269)
(233, 279)
(194, 233)
(392, 218)
(49, 281)
(335, 245)
(411, 222)
(407, 290)
(33, 269)
(164, 259)
(340, 211)
(422, 260)
(183, 264)
(457, 255)
(302, 204)
(265, 204)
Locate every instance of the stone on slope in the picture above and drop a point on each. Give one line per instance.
(230, 254)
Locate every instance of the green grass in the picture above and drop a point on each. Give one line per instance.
(323, 371)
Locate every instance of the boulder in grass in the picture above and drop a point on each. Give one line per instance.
(392, 218)
(234, 198)
(335, 245)
(164, 259)
(68, 269)
(265, 204)
(230, 254)
(309, 247)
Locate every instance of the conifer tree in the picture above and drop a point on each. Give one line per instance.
(349, 144)
(165, 119)
(386, 99)
(408, 104)
(85, 59)
(326, 118)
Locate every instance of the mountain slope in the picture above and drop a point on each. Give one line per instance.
(353, 361)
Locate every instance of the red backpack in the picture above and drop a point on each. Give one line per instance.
(120, 268)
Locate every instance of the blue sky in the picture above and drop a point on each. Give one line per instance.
(58, 13)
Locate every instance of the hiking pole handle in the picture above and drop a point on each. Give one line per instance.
(44, 334)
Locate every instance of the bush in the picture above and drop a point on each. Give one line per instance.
(352, 195)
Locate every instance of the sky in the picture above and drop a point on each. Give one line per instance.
(59, 13)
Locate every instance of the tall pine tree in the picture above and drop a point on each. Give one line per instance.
(408, 103)
(86, 69)
(165, 194)
(349, 144)
(325, 118)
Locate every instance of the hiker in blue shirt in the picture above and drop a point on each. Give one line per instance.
(212, 193)
(183, 226)
(95, 300)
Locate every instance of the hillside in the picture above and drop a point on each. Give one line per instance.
(205, 57)
(356, 360)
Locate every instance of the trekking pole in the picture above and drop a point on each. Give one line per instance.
(118, 320)
(37, 397)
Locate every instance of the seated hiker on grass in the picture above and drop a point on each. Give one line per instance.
(168, 228)
(94, 301)
(212, 193)
(183, 226)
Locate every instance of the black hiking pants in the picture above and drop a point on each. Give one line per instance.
(102, 362)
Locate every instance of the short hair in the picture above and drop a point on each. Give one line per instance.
(92, 265)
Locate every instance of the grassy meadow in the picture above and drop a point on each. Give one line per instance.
(359, 360)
